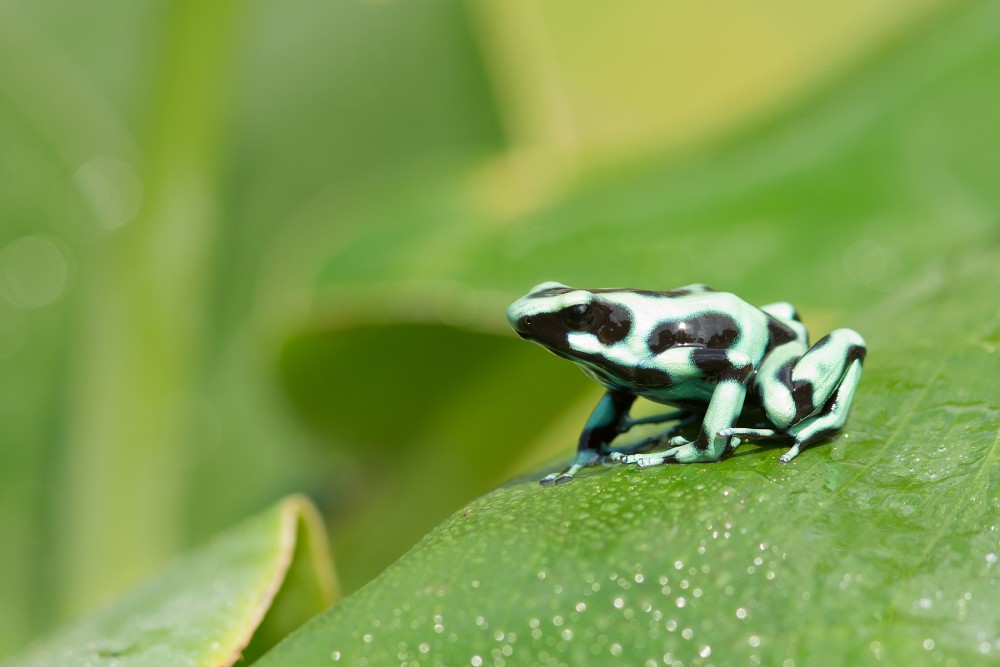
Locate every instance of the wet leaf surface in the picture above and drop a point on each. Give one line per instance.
(882, 545)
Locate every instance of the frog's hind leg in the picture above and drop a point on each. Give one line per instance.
(782, 310)
(831, 419)
(808, 396)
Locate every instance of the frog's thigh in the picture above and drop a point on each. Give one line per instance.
(773, 383)
(832, 418)
(800, 386)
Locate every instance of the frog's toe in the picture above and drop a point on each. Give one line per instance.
(581, 461)
(643, 460)
(557, 478)
(688, 453)
(791, 453)
(678, 441)
(649, 461)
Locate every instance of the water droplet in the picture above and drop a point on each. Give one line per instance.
(335, 656)
(705, 651)
(581, 607)
(476, 661)
(991, 558)
(681, 602)
(754, 641)
(567, 634)
(619, 603)
(34, 271)
(687, 633)
(616, 649)
(113, 189)
(984, 647)
(741, 613)
(367, 638)
(928, 644)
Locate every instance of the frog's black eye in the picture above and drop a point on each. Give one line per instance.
(579, 317)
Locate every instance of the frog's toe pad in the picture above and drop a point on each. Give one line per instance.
(650, 461)
(556, 478)
(791, 453)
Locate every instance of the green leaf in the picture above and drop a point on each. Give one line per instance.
(851, 183)
(249, 586)
(881, 545)
(830, 203)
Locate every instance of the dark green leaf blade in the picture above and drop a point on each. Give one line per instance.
(881, 545)
(205, 608)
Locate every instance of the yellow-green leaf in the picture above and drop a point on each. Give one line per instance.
(269, 573)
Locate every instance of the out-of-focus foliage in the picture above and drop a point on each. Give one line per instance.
(230, 600)
(249, 248)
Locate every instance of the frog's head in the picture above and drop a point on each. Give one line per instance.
(573, 323)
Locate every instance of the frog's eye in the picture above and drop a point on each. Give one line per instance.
(579, 317)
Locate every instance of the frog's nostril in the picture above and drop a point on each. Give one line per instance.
(526, 321)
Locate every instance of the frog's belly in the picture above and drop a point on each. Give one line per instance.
(681, 393)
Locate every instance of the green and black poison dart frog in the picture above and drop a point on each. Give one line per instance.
(709, 354)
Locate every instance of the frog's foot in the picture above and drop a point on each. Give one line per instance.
(581, 461)
(685, 452)
(617, 453)
(791, 453)
(641, 460)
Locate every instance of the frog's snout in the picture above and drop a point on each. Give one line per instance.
(521, 325)
(517, 323)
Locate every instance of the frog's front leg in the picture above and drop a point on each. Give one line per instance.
(606, 422)
(730, 370)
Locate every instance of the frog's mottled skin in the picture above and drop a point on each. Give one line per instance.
(709, 354)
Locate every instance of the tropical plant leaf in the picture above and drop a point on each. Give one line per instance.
(830, 204)
(265, 575)
(882, 545)
(835, 186)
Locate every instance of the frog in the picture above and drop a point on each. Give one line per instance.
(712, 357)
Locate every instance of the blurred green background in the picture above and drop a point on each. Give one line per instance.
(249, 248)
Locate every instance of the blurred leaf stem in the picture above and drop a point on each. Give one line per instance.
(139, 344)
